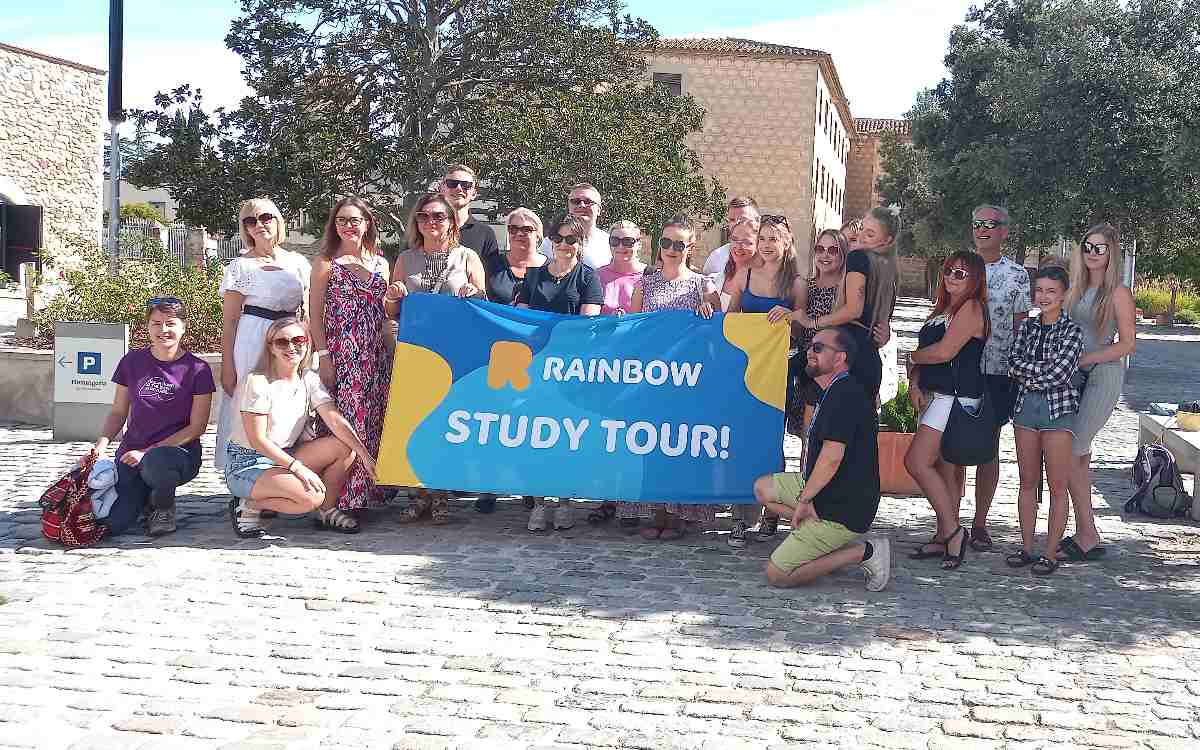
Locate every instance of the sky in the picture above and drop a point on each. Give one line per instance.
(885, 51)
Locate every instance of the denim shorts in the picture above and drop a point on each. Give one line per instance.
(243, 467)
(1035, 415)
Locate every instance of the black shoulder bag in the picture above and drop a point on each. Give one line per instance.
(970, 439)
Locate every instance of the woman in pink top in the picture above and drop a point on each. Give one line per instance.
(620, 276)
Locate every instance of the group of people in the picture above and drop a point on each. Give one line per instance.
(306, 353)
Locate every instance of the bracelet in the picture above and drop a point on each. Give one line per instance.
(293, 463)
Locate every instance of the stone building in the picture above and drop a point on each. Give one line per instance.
(51, 126)
(778, 126)
(866, 165)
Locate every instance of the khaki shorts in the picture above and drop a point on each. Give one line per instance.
(814, 538)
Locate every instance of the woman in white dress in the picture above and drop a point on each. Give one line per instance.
(266, 283)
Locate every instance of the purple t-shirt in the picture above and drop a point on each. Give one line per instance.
(160, 395)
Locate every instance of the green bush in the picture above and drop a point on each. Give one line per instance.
(91, 294)
(898, 415)
(1152, 302)
(1187, 316)
(5, 278)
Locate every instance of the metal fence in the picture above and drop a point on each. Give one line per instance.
(134, 235)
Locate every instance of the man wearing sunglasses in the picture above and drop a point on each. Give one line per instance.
(460, 187)
(583, 202)
(741, 208)
(1008, 304)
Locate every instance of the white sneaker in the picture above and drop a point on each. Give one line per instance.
(879, 567)
(564, 516)
(539, 517)
(737, 537)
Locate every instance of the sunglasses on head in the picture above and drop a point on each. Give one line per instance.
(818, 347)
(1098, 248)
(283, 343)
(628, 242)
(525, 229)
(163, 301)
(454, 184)
(987, 223)
(678, 245)
(958, 274)
(582, 202)
(263, 219)
(349, 221)
(775, 219)
(560, 239)
(431, 217)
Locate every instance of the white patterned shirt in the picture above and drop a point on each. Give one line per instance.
(1008, 295)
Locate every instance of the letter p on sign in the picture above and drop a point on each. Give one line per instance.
(87, 363)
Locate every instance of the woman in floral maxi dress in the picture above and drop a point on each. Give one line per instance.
(348, 284)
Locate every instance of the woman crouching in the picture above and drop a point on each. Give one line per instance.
(271, 465)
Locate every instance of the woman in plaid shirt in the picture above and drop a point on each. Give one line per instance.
(1045, 357)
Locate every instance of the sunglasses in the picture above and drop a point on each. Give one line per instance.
(628, 242)
(559, 239)
(163, 301)
(828, 250)
(958, 274)
(775, 219)
(577, 202)
(817, 348)
(524, 229)
(677, 245)
(431, 217)
(1099, 248)
(349, 221)
(987, 223)
(454, 184)
(263, 219)
(283, 343)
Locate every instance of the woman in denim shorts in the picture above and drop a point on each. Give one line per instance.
(269, 463)
(1045, 357)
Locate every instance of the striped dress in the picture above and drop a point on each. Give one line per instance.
(1104, 382)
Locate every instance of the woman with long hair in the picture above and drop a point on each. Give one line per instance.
(1104, 308)
(621, 276)
(823, 292)
(945, 366)
(349, 279)
(877, 237)
(743, 254)
(266, 283)
(270, 465)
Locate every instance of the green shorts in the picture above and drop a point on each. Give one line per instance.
(814, 538)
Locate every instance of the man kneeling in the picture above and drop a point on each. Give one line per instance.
(834, 502)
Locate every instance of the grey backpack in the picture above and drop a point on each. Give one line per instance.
(1158, 485)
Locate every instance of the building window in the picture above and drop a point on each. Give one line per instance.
(672, 82)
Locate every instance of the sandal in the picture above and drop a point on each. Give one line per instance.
(1070, 551)
(923, 554)
(1019, 559)
(439, 509)
(767, 527)
(1044, 566)
(951, 561)
(337, 520)
(603, 513)
(246, 523)
(981, 540)
(418, 508)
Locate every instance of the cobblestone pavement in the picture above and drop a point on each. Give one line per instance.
(481, 635)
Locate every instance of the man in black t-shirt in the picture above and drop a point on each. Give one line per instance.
(833, 503)
(460, 187)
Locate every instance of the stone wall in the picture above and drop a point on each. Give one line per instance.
(51, 133)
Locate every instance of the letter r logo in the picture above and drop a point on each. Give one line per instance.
(509, 363)
(87, 363)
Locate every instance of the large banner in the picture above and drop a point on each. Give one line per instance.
(663, 406)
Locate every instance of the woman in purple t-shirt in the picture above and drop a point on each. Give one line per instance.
(164, 394)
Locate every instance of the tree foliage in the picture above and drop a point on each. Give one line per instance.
(377, 98)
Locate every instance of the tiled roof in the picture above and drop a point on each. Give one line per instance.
(733, 45)
(867, 125)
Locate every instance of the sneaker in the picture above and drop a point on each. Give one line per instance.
(767, 528)
(879, 567)
(564, 517)
(161, 521)
(539, 518)
(737, 537)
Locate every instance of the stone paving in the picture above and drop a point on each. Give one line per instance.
(482, 635)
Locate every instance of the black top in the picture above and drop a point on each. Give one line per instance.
(858, 262)
(581, 286)
(480, 238)
(847, 416)
(940, 378)
(502, 283)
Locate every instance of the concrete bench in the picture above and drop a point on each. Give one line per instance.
(1185, 446)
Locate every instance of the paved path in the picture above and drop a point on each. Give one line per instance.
(481, 635)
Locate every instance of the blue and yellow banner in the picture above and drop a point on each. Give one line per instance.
(662, 406)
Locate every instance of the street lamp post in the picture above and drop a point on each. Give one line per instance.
(116, 115)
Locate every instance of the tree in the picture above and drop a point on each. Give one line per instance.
(376, 99)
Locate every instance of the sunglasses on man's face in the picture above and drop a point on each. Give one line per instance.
(163, 301)
(676, 245)
(564, 239)
(524, 229)
(987, 224)
(628, 242)
(958, 274)
(283, 343)
(263, 219)
(431, 217)
(577, 202)
(818, 347)
(1098, 248)
(455, 184)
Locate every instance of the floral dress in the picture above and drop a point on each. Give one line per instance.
(354, 318)
(683, 293)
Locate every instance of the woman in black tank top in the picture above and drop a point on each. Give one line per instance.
(945, 367)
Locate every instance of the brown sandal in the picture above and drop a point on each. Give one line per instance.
(439, 509)
(418, 507)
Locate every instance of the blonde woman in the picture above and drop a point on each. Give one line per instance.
(505, 272)
(269, 465)
(267, 283)
(1104, 308)
(743, 255)
(619, 277)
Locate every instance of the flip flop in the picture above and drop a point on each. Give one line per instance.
(1070, 551)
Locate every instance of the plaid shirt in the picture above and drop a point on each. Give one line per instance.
(1061, 345)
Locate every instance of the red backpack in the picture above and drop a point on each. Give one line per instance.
(67, 515)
